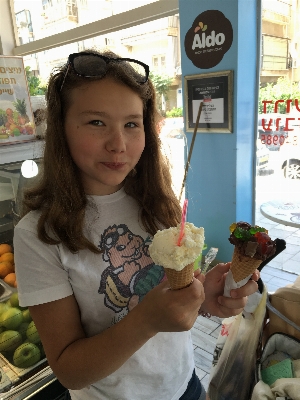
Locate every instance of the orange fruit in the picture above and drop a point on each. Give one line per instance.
(5, 248)
(7, 257)
(15, 284)
(5, 268)
(10, 279)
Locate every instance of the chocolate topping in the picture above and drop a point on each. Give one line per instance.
(252, 241)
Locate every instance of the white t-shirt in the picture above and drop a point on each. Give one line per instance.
(106, 286)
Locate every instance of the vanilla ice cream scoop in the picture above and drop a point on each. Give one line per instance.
(164, 250)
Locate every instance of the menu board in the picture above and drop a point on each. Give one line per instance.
(215, 92)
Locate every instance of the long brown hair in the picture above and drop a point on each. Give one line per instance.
(59, 195)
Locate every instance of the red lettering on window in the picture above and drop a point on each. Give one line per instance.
(286, 128)
(265, 102)
(288, 105)
(276, 105)
(269, 125)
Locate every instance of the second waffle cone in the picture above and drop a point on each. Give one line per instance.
(242, 266)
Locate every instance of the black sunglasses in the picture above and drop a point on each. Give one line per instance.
(90, 65)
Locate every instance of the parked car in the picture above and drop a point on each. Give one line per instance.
(289, 155)
(286, 143)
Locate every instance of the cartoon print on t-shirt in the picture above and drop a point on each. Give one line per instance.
(131, 272)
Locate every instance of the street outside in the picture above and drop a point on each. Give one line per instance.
(272, 185)
(275, 187)
(174, 147)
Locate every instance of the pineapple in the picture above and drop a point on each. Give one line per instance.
(20, 106)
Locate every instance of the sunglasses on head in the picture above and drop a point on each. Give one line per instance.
(91, 65)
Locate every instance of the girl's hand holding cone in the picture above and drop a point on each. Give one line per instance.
(166, 310)
(215, 302)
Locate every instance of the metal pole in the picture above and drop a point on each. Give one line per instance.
(187, 165)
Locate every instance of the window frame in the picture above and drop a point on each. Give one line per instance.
(114, 23)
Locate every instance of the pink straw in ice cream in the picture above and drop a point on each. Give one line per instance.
(183, 218)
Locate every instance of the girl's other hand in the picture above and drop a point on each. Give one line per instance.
(172, 310)
(217, 304)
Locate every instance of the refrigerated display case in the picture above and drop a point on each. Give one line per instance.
(24, 371)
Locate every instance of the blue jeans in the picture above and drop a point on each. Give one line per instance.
(194, 390)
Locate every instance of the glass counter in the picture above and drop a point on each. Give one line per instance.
(24, 370)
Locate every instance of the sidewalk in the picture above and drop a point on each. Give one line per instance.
(270, 188)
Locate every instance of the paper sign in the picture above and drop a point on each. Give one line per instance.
(212, 111)
(215, 92)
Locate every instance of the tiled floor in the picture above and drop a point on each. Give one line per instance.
(289, 259)
(204, 334)
(274, 187)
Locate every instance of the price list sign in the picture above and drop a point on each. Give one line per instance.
(214, 90)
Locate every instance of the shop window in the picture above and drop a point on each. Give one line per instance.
(277, 194)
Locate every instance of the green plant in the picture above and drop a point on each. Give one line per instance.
(35, 86)
(283, 89)
(162, 84)
(175, 112)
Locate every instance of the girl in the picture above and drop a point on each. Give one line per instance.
(109, 324)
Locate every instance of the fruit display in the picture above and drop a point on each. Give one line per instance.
(7, 265)
(20, 342)
(26, 355)
(14, 123)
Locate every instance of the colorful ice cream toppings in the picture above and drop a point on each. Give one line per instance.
(251, 241)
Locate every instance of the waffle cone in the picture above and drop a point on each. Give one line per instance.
(242, 266)
(180, 279)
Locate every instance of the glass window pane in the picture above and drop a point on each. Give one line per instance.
(48, 17)
(278, 133)
(149, 42)
(274, 52)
